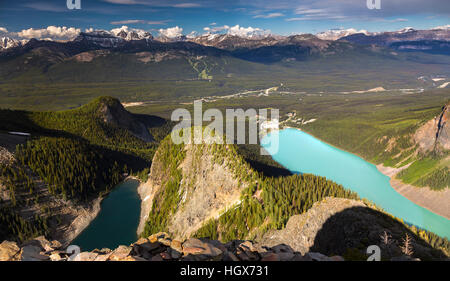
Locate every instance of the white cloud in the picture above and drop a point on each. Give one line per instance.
(237, 30)
(269, 16)
(216, 29)
(3, 30)
(161, 22)
(54, 32)
(442, 27)
(155, 3)
(171, 32)
(186, 5)
(247, 31)
(306, 11)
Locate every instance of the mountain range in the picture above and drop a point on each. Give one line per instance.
(120, 37)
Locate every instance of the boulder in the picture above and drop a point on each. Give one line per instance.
(176, 245)
(197, 246)
(55, 257)
(271, 257)
(120, 253)
(86, 256)
(32, 253)
(9, 251)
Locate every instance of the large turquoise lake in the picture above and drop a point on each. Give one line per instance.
(302, 153)
(117, 222)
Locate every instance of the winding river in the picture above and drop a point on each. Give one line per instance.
(117, 221)
(302, 153)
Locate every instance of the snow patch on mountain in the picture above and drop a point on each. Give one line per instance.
(335, 34)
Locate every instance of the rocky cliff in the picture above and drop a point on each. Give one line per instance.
(203, 182)
(435, 134)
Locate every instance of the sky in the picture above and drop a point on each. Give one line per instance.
(52, 18)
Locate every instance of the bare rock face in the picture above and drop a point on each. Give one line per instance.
(207, 188)
(113, 113)
(435, 134)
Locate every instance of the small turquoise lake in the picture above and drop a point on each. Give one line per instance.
(300, 152)
(117, 222)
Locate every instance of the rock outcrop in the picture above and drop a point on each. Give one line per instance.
(159, 247)
(208, 186)
(435, 134)
(344, 227)
(113, 113)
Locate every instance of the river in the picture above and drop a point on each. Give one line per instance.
(300, 152)
(117, 222)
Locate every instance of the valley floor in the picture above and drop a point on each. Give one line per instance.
(434, 200)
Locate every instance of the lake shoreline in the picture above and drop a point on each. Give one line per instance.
(435, 201)
(86, 215)
(368, 181)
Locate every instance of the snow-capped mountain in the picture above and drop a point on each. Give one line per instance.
(135, 34)
(435, 40)
(231, 42)
(114, 38)
(7, 42)
(405, 34)
(335, 34)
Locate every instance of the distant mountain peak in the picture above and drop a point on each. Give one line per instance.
(7, 42)
(335, 34)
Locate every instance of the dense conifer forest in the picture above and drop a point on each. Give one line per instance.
(75, 153)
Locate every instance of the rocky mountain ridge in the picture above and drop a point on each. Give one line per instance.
(126, 39)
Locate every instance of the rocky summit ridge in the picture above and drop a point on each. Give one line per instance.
(159, 247)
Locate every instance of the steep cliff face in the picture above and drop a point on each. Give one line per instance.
(202, 183)
(435, 134)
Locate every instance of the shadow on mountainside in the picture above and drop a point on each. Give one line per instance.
(348, 233)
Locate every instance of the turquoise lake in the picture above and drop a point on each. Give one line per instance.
(117, 222)
(300, 152)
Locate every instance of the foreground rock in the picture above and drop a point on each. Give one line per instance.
(159, 247)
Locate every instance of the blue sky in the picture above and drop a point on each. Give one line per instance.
(277, 16)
